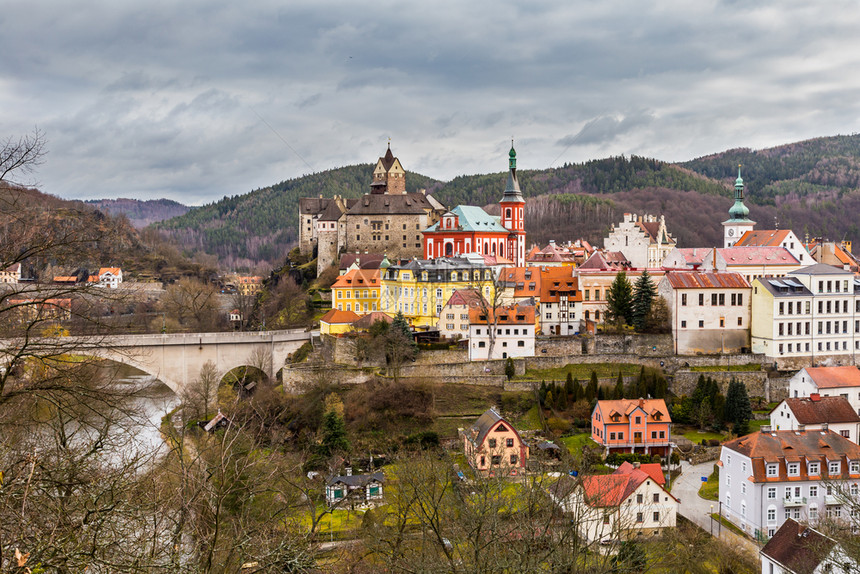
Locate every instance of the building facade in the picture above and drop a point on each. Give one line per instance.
(644, 240)
(560, 308)
(493, 447)
(769, 476)
(357, 290)
(817, 413)
(811, 314)
(502, 332)
(632, 425)
(453, 322)
(710, 312)
(827, 382)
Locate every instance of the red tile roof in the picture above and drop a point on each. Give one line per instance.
(782, 446)
(694, 280)
(507, 315)
(757, 256)
(626, 406)
(834, 377)
(652, 469)
(809, 411)
(338, 317)
(763, 238)
(465, 297)
(357, 278)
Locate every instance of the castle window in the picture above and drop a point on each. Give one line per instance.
(508, 213)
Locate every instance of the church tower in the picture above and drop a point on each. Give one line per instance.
(513, 212)
(738, 222)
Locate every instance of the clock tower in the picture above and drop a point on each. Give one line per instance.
(738, 222)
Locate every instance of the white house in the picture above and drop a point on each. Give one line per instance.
(642, 239)
(798, 549)
(11, 274)
(514, 335)
(817, 413)
(827, 382)
(453, 319)
(710, 312)
(363, 490)
(627, 503)
(110, 277)
(770, 476)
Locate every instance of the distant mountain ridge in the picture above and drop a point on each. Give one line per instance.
(141, 212)
(812, 187)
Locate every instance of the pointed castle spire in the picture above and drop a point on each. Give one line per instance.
(512, 189)
(739, 211)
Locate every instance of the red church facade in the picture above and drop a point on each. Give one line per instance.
(469, 229)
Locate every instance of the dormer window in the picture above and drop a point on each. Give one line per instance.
(772, 469)
(833, 468)
(794, 469)
(813, 468)
(854, 467)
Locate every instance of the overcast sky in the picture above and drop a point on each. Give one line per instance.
(197, 99)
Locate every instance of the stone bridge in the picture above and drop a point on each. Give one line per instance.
(176, 358)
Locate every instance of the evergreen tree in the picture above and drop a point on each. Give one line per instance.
(700, 393)
(510, 370)
(601, 394)
(548, 403)
(568, 386)
(738, 409)
(542, 392)
(578, 391)
(619, 387)
(643, 297)
(619, 300)
(591, 388)
(561, 401)
(333, 435)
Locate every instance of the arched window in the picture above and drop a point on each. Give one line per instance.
(486, 248)
(494, 248)
(507, 213)
(449, 249)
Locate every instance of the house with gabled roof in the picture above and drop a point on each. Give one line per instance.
(776, 238)
(355, 490)
(841, 381)
(632, 425)
(751, 262)
(769, 476)
(797, 548)
(643, 239)
(816, 413)
(628, 503)
(493, 446)
(11, 274)
(454, 316)
(336, 322)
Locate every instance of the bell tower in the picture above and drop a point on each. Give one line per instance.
(513, 214)
(738, 222)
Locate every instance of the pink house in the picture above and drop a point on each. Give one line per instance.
(632, 425)
(494, 447)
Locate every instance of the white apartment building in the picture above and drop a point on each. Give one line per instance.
(817, 413)
(453, 320)
(710, 312)
(514, 332)
(770, 476)
(827, 382)
(812, 313)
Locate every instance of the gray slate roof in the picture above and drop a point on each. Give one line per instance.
(357, 479)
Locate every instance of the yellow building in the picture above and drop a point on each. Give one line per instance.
(337, 322)
(420, 288)
(249, 285)
(357, 290)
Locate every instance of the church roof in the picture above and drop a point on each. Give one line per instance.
(473, 218)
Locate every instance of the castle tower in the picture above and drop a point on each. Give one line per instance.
(738, 222)
(388, 175)
(513, 214)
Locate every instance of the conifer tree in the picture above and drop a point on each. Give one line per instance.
(619, 300)
(643, 296)
(619, 387)
(591, 389)
(568, 385)
(578, 391)
(548, 403)
(738, 409)
(561, 401)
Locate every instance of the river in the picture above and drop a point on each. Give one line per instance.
(149, 400)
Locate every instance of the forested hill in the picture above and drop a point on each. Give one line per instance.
(812, 187)
(141, 212)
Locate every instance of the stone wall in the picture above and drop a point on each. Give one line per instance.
(797, 363)
(758, 383)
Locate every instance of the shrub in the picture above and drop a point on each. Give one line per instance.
(302, 352)
(557, 425)
(425, 439)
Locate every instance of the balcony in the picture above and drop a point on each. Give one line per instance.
(832, 500)
(794, 502)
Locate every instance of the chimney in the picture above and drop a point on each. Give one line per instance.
(349, 471)
(815, 397)
(641, 402)
(824, 427)
(636, 465)
(765, 428)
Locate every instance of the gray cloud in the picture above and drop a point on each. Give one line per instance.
(150, 100)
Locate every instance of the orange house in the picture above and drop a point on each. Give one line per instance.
(632, 425)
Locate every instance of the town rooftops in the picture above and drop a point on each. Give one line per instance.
(817, 409)
(613, 260)
(358, 278)
(382, 204)
(694, 280)
(608, 490)
(798, 548)
(557, 281)
(652, 469)
(366, 321)
(783, 286)
(834, 377)
(338, 317)
(694, 256)
(655, 410)
(361, 260)
(783, 446)
(465, 297)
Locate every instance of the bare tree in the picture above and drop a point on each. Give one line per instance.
(192, 305)
(200, 397)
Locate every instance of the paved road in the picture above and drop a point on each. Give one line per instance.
(698, 510)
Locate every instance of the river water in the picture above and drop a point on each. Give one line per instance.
(149, 401)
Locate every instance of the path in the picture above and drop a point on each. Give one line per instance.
(697, 509)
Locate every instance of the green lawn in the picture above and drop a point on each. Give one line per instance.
(711, 490)
(727, 368)
(530, 420)
(577, 441)
(696, 436)
(581, 372)
(755, 426)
